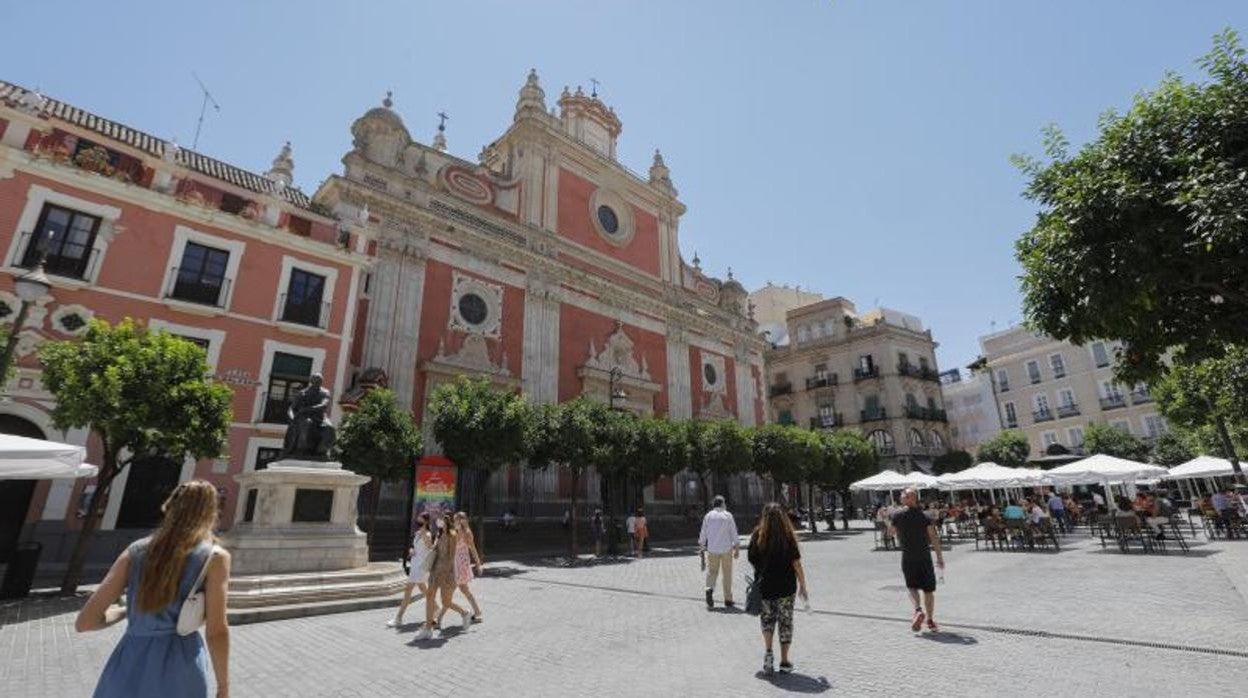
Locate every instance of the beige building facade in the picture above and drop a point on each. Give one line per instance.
(1051, 390)
(873, 372)
(971, 407)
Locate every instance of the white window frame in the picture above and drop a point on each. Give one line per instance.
(1003, 379)
(1092, 352)
(183, 235)
(1061, 395)
(1045, 437)
(1039, 375)
(1059, 363)
(1006, 409)
(1122, 424)
(271, 347)
(117, 491)
(215, 338)
(1070, 435)
(1145, 420)
(38, 195)
(289, 264)
(1035, 403)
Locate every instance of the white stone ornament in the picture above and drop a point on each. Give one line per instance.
(490, 326)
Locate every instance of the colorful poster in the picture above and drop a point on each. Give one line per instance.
(435, 486)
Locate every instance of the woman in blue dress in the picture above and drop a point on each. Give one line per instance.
(156, 574)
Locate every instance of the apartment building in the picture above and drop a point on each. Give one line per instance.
(1051, 390)
(873, 372)
(971, 407)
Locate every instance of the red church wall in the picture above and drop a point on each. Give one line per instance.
(574, 223)
(578, 326)
(435, 315)
(697, 387)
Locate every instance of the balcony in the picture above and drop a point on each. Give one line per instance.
(72, 261)
(826, 380)
(312, 313)
(778, 389)
(1042, 416)
(1071, 410)
(861, 374)
(1139, 397)
(1113, 402)
(920, 372)
(873, 415)
(827, 421)
(930, 414)
(192, 287)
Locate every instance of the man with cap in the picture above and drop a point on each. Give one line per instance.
(718, 545)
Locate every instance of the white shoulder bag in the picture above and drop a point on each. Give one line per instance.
(194, 610)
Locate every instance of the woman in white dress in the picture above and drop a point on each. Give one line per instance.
(417, 577)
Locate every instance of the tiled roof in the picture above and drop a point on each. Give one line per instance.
(194, 161)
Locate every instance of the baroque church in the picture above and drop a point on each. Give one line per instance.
(549, 268)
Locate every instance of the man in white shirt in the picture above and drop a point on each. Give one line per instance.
(631, 524)
(718, 545)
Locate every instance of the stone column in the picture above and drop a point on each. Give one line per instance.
(679, 389)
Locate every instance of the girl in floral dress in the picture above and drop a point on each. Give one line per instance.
(466, 557)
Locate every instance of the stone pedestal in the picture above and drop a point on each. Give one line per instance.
(295, 547)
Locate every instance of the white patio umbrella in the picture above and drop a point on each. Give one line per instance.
(1102, 469)
(888, 480)
(984, 476)
(23, 458)
(1200, 467)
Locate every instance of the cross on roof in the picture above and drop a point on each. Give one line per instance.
(442, 120)
(594, 90)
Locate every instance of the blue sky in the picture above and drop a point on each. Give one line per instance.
(856, 147)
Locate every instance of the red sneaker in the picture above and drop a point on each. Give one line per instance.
(931, 626)
(917, 621)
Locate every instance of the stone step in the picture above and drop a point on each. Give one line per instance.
(378, 580)
(242, 616)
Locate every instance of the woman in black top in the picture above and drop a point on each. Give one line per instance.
(778, 573)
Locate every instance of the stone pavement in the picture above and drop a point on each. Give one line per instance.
(1082, 619)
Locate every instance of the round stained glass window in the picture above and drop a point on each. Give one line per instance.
(708, 371)
(608, 220)
(472, 308)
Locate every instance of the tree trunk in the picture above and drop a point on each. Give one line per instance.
(482, 497)
(810, 507)
(576, 485)
(73, 573)
(1229, 447)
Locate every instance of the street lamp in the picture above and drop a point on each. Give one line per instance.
(614, 393)
(30, 287)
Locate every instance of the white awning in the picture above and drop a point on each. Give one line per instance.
(22, 458)
(1103, 469)
(984, 476)
(1200, 466)
(888, 480)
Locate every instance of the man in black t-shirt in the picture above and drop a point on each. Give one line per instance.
(917, 536)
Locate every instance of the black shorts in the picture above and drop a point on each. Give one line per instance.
(919, 573)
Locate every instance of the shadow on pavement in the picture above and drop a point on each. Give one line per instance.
(728, 611)
(796, 682)
(1171, 552)
(945, 637)
(503, 571)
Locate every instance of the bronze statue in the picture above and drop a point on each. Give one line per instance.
(309, 434)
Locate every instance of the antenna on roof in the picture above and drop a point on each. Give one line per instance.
(202, 109)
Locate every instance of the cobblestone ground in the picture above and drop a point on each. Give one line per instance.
(1081, 619)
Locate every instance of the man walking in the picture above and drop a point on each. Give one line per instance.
(717, 544)
(917, 536)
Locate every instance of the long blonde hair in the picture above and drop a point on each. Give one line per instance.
(775, 530)
(189, 515)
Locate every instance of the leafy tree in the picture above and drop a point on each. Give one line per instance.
(1114, 441)
(777, 454)
(1171, 449)
(716, 448)
(481, 429)
(1208, 393)
(379, 440)
(856, 458)
(952, 462)
(620, 462)
(143, 394)
(1141, 234)
(568, 436)
(1009, 448)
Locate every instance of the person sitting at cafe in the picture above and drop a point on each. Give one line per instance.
(1036, 514)
(1015, 512)
(1141, 502)
(1125, 513)
(1159, 511)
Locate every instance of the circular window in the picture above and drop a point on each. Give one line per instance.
(473, 309)
(708, 371)
(608, 220)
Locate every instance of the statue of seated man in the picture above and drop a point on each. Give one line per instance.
(309, 434)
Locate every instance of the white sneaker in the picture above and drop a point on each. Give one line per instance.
(394, 622)
(467, 619)
(424, 633)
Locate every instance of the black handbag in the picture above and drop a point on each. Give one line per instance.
(753, 594)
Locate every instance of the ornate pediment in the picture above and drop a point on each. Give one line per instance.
(715, 407)
(473, 357)
(618, 353)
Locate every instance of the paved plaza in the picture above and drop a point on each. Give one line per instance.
(1082, 620)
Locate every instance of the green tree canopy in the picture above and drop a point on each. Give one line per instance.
(777, 452)
(1141, 234)
(142, 394)
(1171, 449)
(1210, 394)
(1114, 441)
(1009, 448)
(380, 440)
(716, 448)
(952, 462)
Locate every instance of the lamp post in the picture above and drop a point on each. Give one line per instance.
(613, 393)
(30, 287)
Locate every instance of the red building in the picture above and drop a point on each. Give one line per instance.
(131, 226)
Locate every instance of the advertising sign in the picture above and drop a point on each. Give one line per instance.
(435, 486)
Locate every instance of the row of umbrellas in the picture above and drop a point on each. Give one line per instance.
(1099, 469)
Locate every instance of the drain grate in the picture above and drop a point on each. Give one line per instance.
(1001, 630)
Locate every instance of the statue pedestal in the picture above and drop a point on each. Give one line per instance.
(295, 547)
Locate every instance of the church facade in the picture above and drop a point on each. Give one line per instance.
(547, 267)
